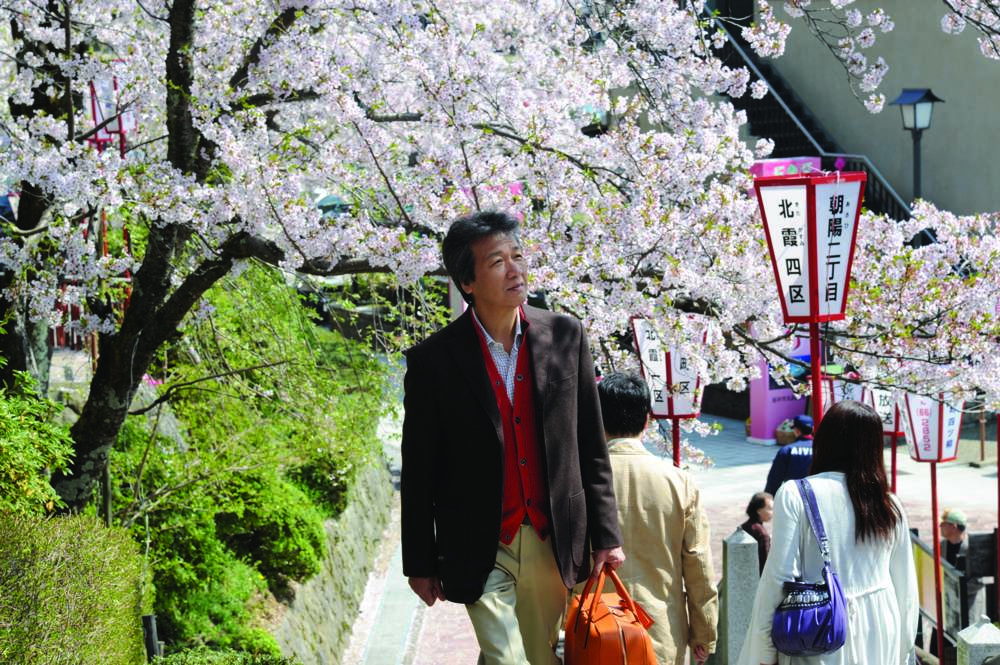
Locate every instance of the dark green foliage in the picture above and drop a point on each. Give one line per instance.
(31, 447)
(203, 656)
(273, 525)
(205, 593)
(325, 478)
(70, 592)
(273, 416)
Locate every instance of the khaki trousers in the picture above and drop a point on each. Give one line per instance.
(518, 617)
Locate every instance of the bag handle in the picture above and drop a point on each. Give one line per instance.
(815, 521)
(609, 572)
(593, 603)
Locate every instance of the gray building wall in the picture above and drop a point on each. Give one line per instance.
(960, 148)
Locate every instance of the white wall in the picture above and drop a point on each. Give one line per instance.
(960, 150)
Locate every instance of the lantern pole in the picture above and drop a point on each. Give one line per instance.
(893, 438)
(815, 364)
(997, 530)
(937, 562)
(675, 432)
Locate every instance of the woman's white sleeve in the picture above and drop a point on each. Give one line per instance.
(904, 581)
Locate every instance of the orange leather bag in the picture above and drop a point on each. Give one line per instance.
(607, 629)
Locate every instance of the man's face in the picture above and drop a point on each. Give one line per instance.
(949, 531)
(501, 278)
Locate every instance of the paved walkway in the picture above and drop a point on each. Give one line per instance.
(394, 628)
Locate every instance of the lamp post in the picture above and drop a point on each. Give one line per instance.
(916, 105)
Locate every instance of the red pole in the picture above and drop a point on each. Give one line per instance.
(937, 563)
(998, 510)
(675, 432)
(895, 434)
(816, 365)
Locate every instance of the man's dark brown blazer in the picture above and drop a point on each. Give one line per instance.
(452, 476)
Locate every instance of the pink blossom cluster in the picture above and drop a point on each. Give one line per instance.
(415, 113)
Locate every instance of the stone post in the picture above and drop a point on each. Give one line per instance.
(978, 642)
(740, 576)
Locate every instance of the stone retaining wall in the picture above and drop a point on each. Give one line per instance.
(316, 626)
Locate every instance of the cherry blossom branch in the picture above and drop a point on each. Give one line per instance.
(383, 174)
(150, 14)
(587, 169)
(177, 387)
(984, 16)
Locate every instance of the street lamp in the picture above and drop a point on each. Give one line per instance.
(915, 105)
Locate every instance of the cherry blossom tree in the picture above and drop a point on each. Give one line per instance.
(415, 112)
(850, 34)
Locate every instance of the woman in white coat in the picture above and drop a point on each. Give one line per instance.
(869, 548)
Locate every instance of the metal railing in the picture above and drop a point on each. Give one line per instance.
(880, 197)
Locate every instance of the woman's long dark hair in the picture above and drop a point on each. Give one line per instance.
(849, 439)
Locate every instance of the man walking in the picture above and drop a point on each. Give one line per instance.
(670, 572)
(506, 481)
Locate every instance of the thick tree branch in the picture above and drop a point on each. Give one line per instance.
(266, 98)
(279, 26)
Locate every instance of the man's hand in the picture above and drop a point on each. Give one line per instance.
(700, 653)
(428, 588)
(614, 557)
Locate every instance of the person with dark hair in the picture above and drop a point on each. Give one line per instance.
(506, 481)
(670, 571)
(869, 545)
(760, 510)
(792, 462)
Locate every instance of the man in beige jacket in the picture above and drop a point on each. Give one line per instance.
(669, 568)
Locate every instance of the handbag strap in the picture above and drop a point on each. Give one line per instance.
(815, 521)
(623, 594)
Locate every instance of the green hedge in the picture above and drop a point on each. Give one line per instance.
(205, 656)
(70, 592)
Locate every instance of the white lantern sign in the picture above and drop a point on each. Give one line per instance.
(884, 403)
(811, 224)
(674, 385)
(932, 427)
(838, 390)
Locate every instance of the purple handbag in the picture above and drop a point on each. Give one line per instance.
(812, 619)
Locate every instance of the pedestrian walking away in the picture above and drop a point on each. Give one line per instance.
(669, 572)
(869, 548)
(792, 461)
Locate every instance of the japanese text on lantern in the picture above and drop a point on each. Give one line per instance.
(835, 215)
(787, 237)
(651, 356)
(669, 373)
(924, 413)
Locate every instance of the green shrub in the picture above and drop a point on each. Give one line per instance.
(325, 477)
(31, 447)
(70, 592)
(273, 525)
(204, 656)
(273, 414)
(204, 591)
